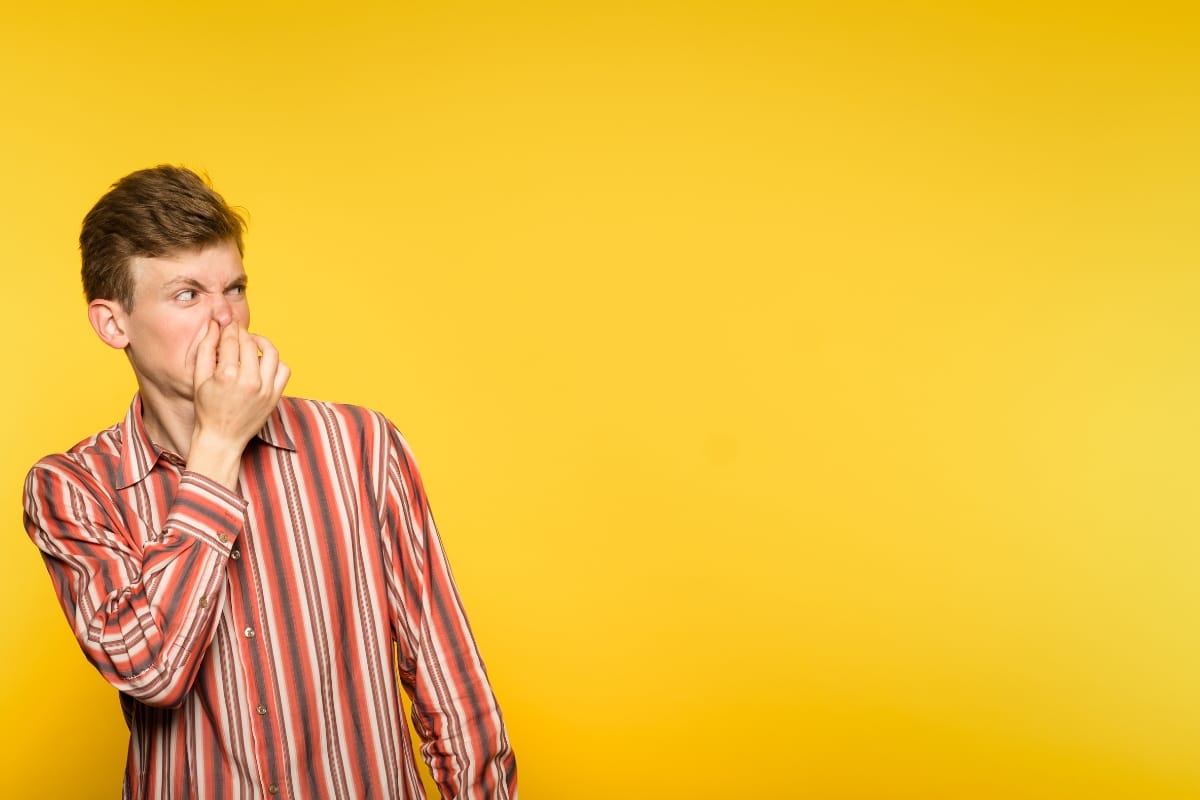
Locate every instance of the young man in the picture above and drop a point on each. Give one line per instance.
(250, 571)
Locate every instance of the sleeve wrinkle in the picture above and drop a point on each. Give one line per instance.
(134, 610)
(454, 709)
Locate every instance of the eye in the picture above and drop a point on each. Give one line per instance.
(237, 290)
(186, 295)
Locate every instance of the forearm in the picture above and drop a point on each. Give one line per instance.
(216, 457)
(144, 613)
(465, 741)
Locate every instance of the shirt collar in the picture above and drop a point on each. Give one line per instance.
(139, 454)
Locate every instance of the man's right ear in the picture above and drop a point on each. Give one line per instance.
(108, 320)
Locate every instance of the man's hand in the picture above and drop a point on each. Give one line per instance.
(235, 390)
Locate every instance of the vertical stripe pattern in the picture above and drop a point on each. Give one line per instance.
(259, 638)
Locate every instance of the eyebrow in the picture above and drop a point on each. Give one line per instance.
(191, 283)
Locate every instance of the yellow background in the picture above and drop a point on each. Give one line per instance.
(808, 397)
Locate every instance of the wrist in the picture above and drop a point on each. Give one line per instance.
(216, 458)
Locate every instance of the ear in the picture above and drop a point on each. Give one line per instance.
(108, 320)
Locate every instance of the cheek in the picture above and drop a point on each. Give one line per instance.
(169, 336)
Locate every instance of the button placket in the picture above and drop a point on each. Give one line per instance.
(251, 617)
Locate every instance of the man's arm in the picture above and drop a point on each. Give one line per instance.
(236, 389)
(454, 709)
(144, 613)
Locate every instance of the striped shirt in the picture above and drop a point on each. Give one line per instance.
(258, 640)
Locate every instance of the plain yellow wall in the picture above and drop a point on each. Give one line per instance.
(808, 397)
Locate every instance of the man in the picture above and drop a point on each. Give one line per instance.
(250, 571)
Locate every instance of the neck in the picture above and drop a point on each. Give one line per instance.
(169, 425)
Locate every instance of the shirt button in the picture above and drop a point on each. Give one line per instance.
(235, 555)
(273, 789)
(204, 602)
(223, 538)
(262, 710)
(249, 633)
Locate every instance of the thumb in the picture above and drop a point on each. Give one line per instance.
(206, 354)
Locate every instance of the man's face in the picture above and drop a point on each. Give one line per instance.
(174, 298)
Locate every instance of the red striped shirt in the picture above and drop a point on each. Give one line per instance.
(257, 639)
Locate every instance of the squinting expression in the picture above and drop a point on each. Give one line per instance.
(175, 297)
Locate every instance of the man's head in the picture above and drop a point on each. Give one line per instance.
(162, 262)
(150, 213)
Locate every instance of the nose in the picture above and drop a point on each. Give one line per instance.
(222, 312)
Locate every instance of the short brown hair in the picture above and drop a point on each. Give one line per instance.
(150, 213)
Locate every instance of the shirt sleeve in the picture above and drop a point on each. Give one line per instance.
(144, 612)
(464, 741)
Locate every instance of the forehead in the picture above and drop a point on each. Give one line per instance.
(214, 266)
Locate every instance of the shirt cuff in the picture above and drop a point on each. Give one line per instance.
(207, 510)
